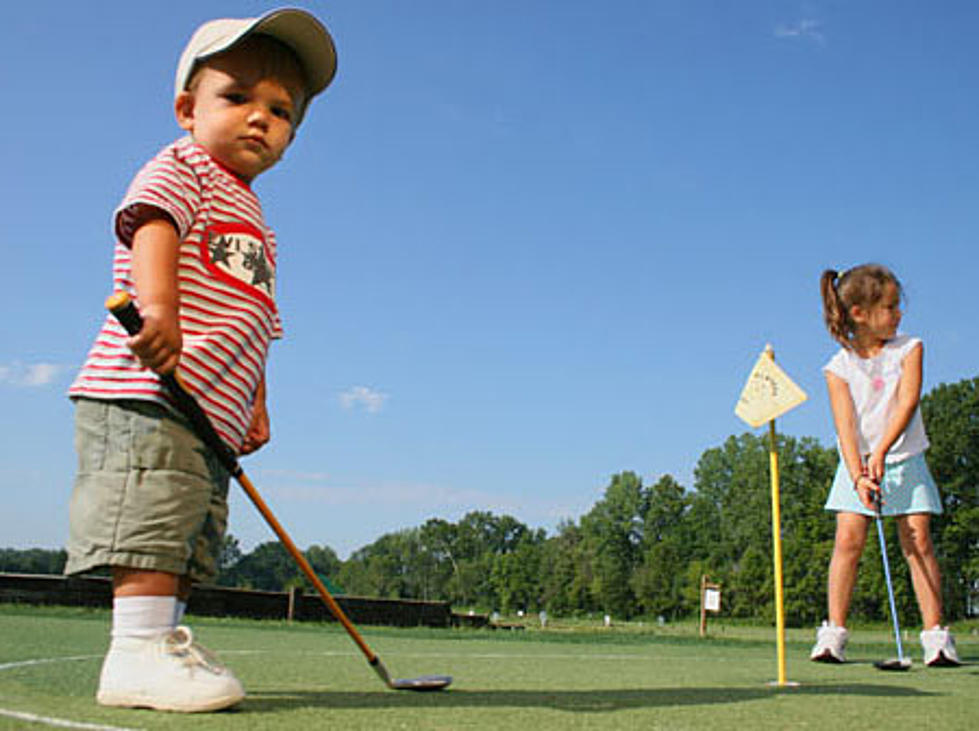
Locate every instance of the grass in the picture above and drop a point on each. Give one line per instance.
(569, 676)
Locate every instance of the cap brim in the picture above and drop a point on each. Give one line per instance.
(297, 29)
(309, 38)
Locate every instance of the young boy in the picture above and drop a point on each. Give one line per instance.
(150, 500)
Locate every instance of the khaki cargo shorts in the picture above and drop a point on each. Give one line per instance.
(148, 494)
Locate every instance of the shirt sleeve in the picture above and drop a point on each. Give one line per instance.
(837, 365)
(166, 183)
(909, 343)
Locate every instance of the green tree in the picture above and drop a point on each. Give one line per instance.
(951, 415)
(657, 581)
(380, 569)
(515, 574)
(482, 537)
(268, 568)
(228, 558)
(326, 564)
(666, 504)
(701, 530)
(750, 586)
(441, 560)
(613, 529)
(565, 572)
(32, 560)
(806, 470)
(736, 479)
(440, 539)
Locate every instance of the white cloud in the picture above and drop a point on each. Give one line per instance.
(805, 28)
(30, 375)
(368, 398)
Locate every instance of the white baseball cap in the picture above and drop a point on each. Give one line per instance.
(297, 29)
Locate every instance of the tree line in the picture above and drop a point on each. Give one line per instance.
(642, 548)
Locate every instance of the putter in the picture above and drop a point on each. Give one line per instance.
(900, 662)
(124, 310)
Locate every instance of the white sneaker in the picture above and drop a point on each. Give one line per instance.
(939, 646)
(830, 644)
(169, 672)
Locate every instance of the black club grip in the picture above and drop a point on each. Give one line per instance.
(122, 306)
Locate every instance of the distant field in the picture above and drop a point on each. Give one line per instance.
(566, 677)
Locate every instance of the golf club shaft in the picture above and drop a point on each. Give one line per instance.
(887, 578)
(124, 309)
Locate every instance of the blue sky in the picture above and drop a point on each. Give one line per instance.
(523, 245)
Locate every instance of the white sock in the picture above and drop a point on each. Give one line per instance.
(142, 616)
(178, 612)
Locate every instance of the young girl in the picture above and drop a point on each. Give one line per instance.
(874, 386)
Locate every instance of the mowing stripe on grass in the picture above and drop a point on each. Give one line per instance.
(60, 722)
(475, 655)
(45, 660)
(494, 655)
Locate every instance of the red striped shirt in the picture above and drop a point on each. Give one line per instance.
(226, 278)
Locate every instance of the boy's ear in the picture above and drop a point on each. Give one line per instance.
(183, 107)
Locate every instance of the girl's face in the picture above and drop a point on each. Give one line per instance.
(879, 322)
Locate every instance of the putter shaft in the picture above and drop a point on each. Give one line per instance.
(887, 576)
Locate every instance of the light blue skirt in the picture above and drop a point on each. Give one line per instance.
(907, 487)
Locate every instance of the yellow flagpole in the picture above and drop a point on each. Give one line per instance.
(777, 543)
(769, 393)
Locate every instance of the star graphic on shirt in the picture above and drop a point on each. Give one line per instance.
(261, 274)
(220, 250)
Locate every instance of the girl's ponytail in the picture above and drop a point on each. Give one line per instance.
(834, 311)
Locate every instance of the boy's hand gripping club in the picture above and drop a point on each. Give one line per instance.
(124, 309)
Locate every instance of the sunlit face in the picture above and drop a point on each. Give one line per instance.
(881, 321)
(241, 116)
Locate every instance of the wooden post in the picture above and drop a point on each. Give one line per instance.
(710, 601)
(703, 605)
(295, 597)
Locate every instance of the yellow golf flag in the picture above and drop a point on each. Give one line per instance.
(769, 392)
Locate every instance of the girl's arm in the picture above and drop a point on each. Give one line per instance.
(908, 396)
(845, 419)
(155, 256)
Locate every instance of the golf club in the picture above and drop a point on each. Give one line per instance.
(900, 662)
(124, 309)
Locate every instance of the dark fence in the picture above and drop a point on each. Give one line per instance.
(219, 601)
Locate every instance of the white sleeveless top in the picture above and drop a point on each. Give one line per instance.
(873, 386)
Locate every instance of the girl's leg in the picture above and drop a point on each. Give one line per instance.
(851, 535)
(915, 533)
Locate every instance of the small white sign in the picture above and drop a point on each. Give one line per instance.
(712, 600)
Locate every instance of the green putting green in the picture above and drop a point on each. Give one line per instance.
(565, 677)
